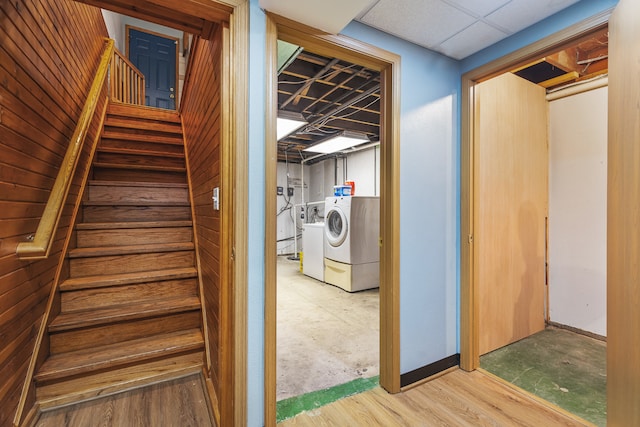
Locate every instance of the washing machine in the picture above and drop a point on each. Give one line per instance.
(351, 244)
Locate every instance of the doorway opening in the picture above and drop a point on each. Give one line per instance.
(328, 252)
(536, 164)
(378, 61)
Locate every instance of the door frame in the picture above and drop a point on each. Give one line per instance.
(176, 80)
(469, 309)
(389, 66)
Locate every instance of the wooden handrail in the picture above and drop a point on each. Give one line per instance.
(40, 244)
(127, 82)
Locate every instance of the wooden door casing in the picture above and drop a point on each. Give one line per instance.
(511, 164)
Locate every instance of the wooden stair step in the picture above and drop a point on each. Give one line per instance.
(122, 135)
(75, 390)
(143, 125)
(113, 212)
(122, 354)
(113, 314)
(141, 236)
(129, 249)
(140, 159)
(130, 263)
(92, 282)
(138, 184)
(142, 112)
(132, 224)
(161, 148)
(138, 152)
(134, 203)
(139, 167)
(135, 193)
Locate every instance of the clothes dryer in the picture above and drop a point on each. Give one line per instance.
(351, 248)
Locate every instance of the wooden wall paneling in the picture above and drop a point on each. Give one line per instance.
(511, 192)
(201, 110)
(48, 55)
(623, 208)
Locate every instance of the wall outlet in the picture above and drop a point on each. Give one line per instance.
(289, 191)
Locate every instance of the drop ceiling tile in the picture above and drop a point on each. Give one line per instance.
(329, 15)
(472, 39)
(424, 22)
(519, 14)
(480, 8)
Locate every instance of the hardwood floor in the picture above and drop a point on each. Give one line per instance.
(180, 402)
(456, 399)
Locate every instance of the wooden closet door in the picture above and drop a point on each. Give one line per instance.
(623, 218)
(510, 209)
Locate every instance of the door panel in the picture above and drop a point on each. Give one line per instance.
(155, 57)
(510, 199)
(623, 213)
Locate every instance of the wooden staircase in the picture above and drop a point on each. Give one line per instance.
(130, 312)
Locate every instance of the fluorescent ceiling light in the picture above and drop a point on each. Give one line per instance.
(286, 126)
(337, 143)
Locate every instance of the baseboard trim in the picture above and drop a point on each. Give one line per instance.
(577, 331)
(429, 370)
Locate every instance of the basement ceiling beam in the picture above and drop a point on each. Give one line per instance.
(308, 83)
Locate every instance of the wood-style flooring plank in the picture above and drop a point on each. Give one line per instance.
(179, 402)
(461, 399)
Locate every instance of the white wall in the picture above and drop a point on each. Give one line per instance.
(115, 28)
(363, 167)
(578, 211)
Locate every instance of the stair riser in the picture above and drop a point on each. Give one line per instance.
(142, 236)
(142, 146)
(138, 123)
(87, 362)
(140, 160)
(80, 267)
(140, 133)
(109, 193)
(130, 111)
(87, 299)
(93, 337)
(117, 174)
(136, 213)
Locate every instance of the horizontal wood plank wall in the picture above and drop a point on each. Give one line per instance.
(48, 56)
(201, 110)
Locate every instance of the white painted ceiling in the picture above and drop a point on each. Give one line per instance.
(456, 28)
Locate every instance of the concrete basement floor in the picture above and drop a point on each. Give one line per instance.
(562, 367)
(325, 335)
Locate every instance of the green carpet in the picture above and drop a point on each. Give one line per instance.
(564, 368)
(292, 406)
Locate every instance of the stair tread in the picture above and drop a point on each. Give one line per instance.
(134, 152)
(138, 184)
(129, 249)
(159, 126)
(116, 355)
(139, 310)
(90, 282)
(132, 224)
(135, 203)
(139, 167)
(102, 384)
(172, 139)
(142, 111)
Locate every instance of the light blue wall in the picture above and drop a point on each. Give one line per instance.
(255, 220)
(429, 155)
